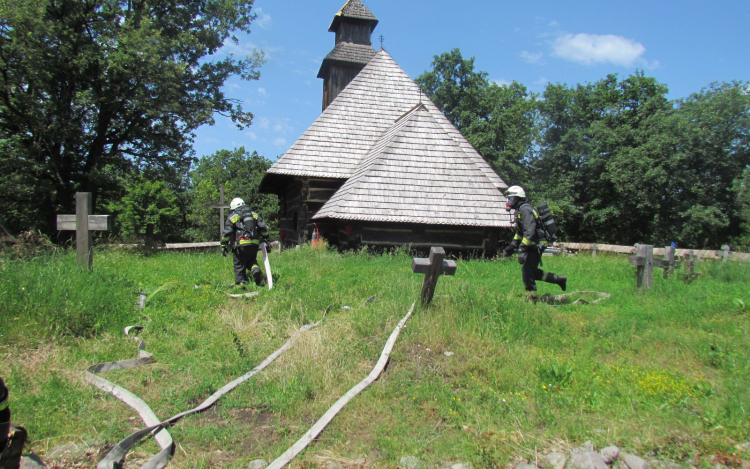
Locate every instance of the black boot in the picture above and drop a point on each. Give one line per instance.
(561, 280)
(255, 272)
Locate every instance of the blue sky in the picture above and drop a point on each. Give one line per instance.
(686, 45)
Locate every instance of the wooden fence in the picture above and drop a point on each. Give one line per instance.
(593, 247)
(699, 253)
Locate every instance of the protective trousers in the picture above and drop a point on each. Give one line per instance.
(245, 259)
(4, 416)
(531, 272)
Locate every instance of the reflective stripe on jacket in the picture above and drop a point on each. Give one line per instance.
(236, 231)
(526, 219)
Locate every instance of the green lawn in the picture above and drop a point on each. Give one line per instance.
(663, 372)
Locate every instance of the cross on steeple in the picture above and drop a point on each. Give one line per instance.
(381, 41)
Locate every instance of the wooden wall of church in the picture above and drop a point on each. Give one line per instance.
(352, 234)
(299, 201)
(339, 76)
(354, 32)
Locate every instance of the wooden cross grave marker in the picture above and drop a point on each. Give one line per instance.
(645, 263)
(669, 263)
(432, 267)
(690, 273)
(221, 206)
(83, 222)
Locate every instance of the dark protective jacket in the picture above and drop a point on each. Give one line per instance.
(243, 226)
(528, 228)
(4, 415)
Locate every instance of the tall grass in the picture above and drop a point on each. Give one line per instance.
(482, 376)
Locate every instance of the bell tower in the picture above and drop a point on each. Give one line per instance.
(353, 25)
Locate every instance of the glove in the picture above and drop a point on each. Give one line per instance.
(224, 250)
(508, 251)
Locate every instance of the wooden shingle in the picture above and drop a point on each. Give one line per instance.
(344, 133)
(417, 173)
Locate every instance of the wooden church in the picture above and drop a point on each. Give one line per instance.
(381, 165)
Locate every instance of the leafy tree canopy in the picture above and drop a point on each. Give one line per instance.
(625, 165)
(93, 88)
(240, 172)
(498, 120)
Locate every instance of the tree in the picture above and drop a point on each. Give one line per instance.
(713, 155)
(149, 200)
(624, 165)
(95, 88)
(563, 169)
(240, 173)
(498, 120)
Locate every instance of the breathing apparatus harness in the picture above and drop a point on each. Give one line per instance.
(247, 223)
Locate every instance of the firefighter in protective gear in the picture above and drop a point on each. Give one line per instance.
(243, 232)
(4, 416)
(530, 240)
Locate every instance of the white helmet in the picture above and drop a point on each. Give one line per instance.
(516, 191)
(236, 202)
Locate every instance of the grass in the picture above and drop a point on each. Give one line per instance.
(661, 373)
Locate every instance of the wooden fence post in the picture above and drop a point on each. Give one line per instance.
(725, 254)
(593, 250)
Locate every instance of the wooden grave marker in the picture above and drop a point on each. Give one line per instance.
(644, 262)
(221, 206)
(725, 252)
(669, 263)
(432, 267)
(84, 222)
(690, 273)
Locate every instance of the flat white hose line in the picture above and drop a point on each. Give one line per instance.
(318, 427)
(116, 455)
(562, 299)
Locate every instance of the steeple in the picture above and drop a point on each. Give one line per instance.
(353, 25)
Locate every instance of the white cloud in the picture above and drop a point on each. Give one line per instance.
(531, 57)
(279, 141)
(252, 135)
(541, 81)
(282, 125)
(593, 48)
(263, 20)
(263, 122)
(262, 91)
(501, 82)
(212, 140)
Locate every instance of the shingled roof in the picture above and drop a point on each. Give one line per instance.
(417, 173)
(353, 9)
(336, 144)
(350, 52)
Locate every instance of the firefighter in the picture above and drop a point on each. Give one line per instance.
(4, 416)
(243, 232)
(530, 239)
